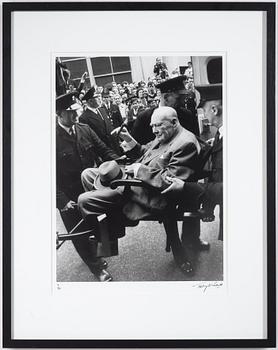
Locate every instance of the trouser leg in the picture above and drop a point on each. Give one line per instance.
(192, 197)
(88, 178)
(172, 233)
(109, 202)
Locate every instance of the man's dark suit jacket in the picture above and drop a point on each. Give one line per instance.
(141, 130)
(115, 116)
(102, 126)
(217, 161)
(188, 120)
(177, 158)
(73, 155)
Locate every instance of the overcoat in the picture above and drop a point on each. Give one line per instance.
(177, 158)
(217, 161)
(102, 126)
(73, 155)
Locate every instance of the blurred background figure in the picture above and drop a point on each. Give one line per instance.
(160, 69)
(98, 120)
(189, 71)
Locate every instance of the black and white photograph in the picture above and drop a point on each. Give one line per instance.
(139, 174)
(139, 150)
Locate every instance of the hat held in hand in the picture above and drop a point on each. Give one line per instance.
(108, 172)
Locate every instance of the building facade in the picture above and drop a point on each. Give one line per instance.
(103, 70)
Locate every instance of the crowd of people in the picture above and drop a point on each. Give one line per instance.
(155, 125)
(124, 101)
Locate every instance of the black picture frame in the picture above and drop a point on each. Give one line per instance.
(270, 340)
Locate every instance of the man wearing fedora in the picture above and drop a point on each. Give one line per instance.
(174, 152)
(77, 148)
(210, 194)
(98, 121)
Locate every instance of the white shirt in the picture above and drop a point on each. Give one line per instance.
(220, 132)
(122, 109)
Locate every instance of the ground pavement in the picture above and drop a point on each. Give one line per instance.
(142, 257)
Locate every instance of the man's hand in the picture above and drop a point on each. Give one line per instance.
(176, 186)
(132, 169)
(123, 133)
(84, 76)
(69, 205)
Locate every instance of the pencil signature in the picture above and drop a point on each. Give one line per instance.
(205, 286)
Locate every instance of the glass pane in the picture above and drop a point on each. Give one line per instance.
(87, 83)
(101, 65)
(77, 68)
(119, 78)
(101, 81)
(69, 58)
(120, 64)
(214, 69)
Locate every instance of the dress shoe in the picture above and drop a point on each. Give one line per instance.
(103, 275)
(206, 216)
(186, 268)
(100, 263)
(200, 244)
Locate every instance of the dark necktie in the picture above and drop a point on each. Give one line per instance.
(216, 138)
(99, 113)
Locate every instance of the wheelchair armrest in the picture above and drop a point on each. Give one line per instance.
(127, 183)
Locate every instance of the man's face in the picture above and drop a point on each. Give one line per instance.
(118, 100)
(162, 127)
(169, 99)
(94, 102)
(134, 104)
(68, 118)
(158, 60)
(106, 99)
(209, 112)
(140, 93)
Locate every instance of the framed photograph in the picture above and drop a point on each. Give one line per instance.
(139, 150)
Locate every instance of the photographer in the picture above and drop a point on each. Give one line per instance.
(160, 69)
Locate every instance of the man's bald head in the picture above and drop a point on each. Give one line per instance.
(164, 112)
(165, 123)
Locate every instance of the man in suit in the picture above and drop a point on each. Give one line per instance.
(77, 148)
(174, 152)
(117, 112)
(210, 194)
(122, 111)
(141, 130)
(173, 94)
(98, 121)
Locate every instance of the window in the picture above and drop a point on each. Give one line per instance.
(105, 69)
(214, 70)
(108, 69)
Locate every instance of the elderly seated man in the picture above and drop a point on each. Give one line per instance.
(173, 153)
